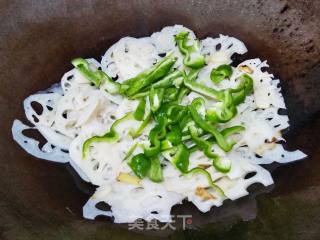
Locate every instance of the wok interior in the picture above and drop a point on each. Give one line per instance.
(41, 199)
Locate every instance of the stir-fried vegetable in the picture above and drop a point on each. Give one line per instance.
(176, 126)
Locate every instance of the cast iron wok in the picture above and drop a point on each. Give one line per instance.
(43, 200)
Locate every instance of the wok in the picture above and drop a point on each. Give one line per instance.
(43, 200)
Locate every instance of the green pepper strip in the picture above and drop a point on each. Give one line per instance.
(225, 132)
(170, 94)
(140, 165)
(220, 73)
(227, 111)
(244, 88)
(169, 114)
(185, 121)
(174, 135)
(198, 170)
(181, 161)
(232, 130)
(110, 136)
(140, 95)
(206, 147)
(207, 126)
(173, 78)
(131, 150)
(144, 79)
(203, 89)
(155, 97)
(155, 173)
(166, 144)
(181, 158)
(182, 92)
(175, 112)
(98, 77)
(143, 125)
(140, 110)
(193, 57)
(156, 134)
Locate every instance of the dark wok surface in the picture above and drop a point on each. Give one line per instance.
(41, 200)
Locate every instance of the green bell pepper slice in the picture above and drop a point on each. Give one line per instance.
(110, 136)
(219, 164)
(140, 110)
(155, 98)
(97, 78)
(198, 170)
(174, 135)
(174, 78)
(207, 127)
(140, 165)
(203, 89)
(156, 135)
(180, 160)
(226, 111)
(220, 73)
(132, 86)
(170, 94)
(244, 89)
(155, 173)
(143, 125)
(192, 55)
